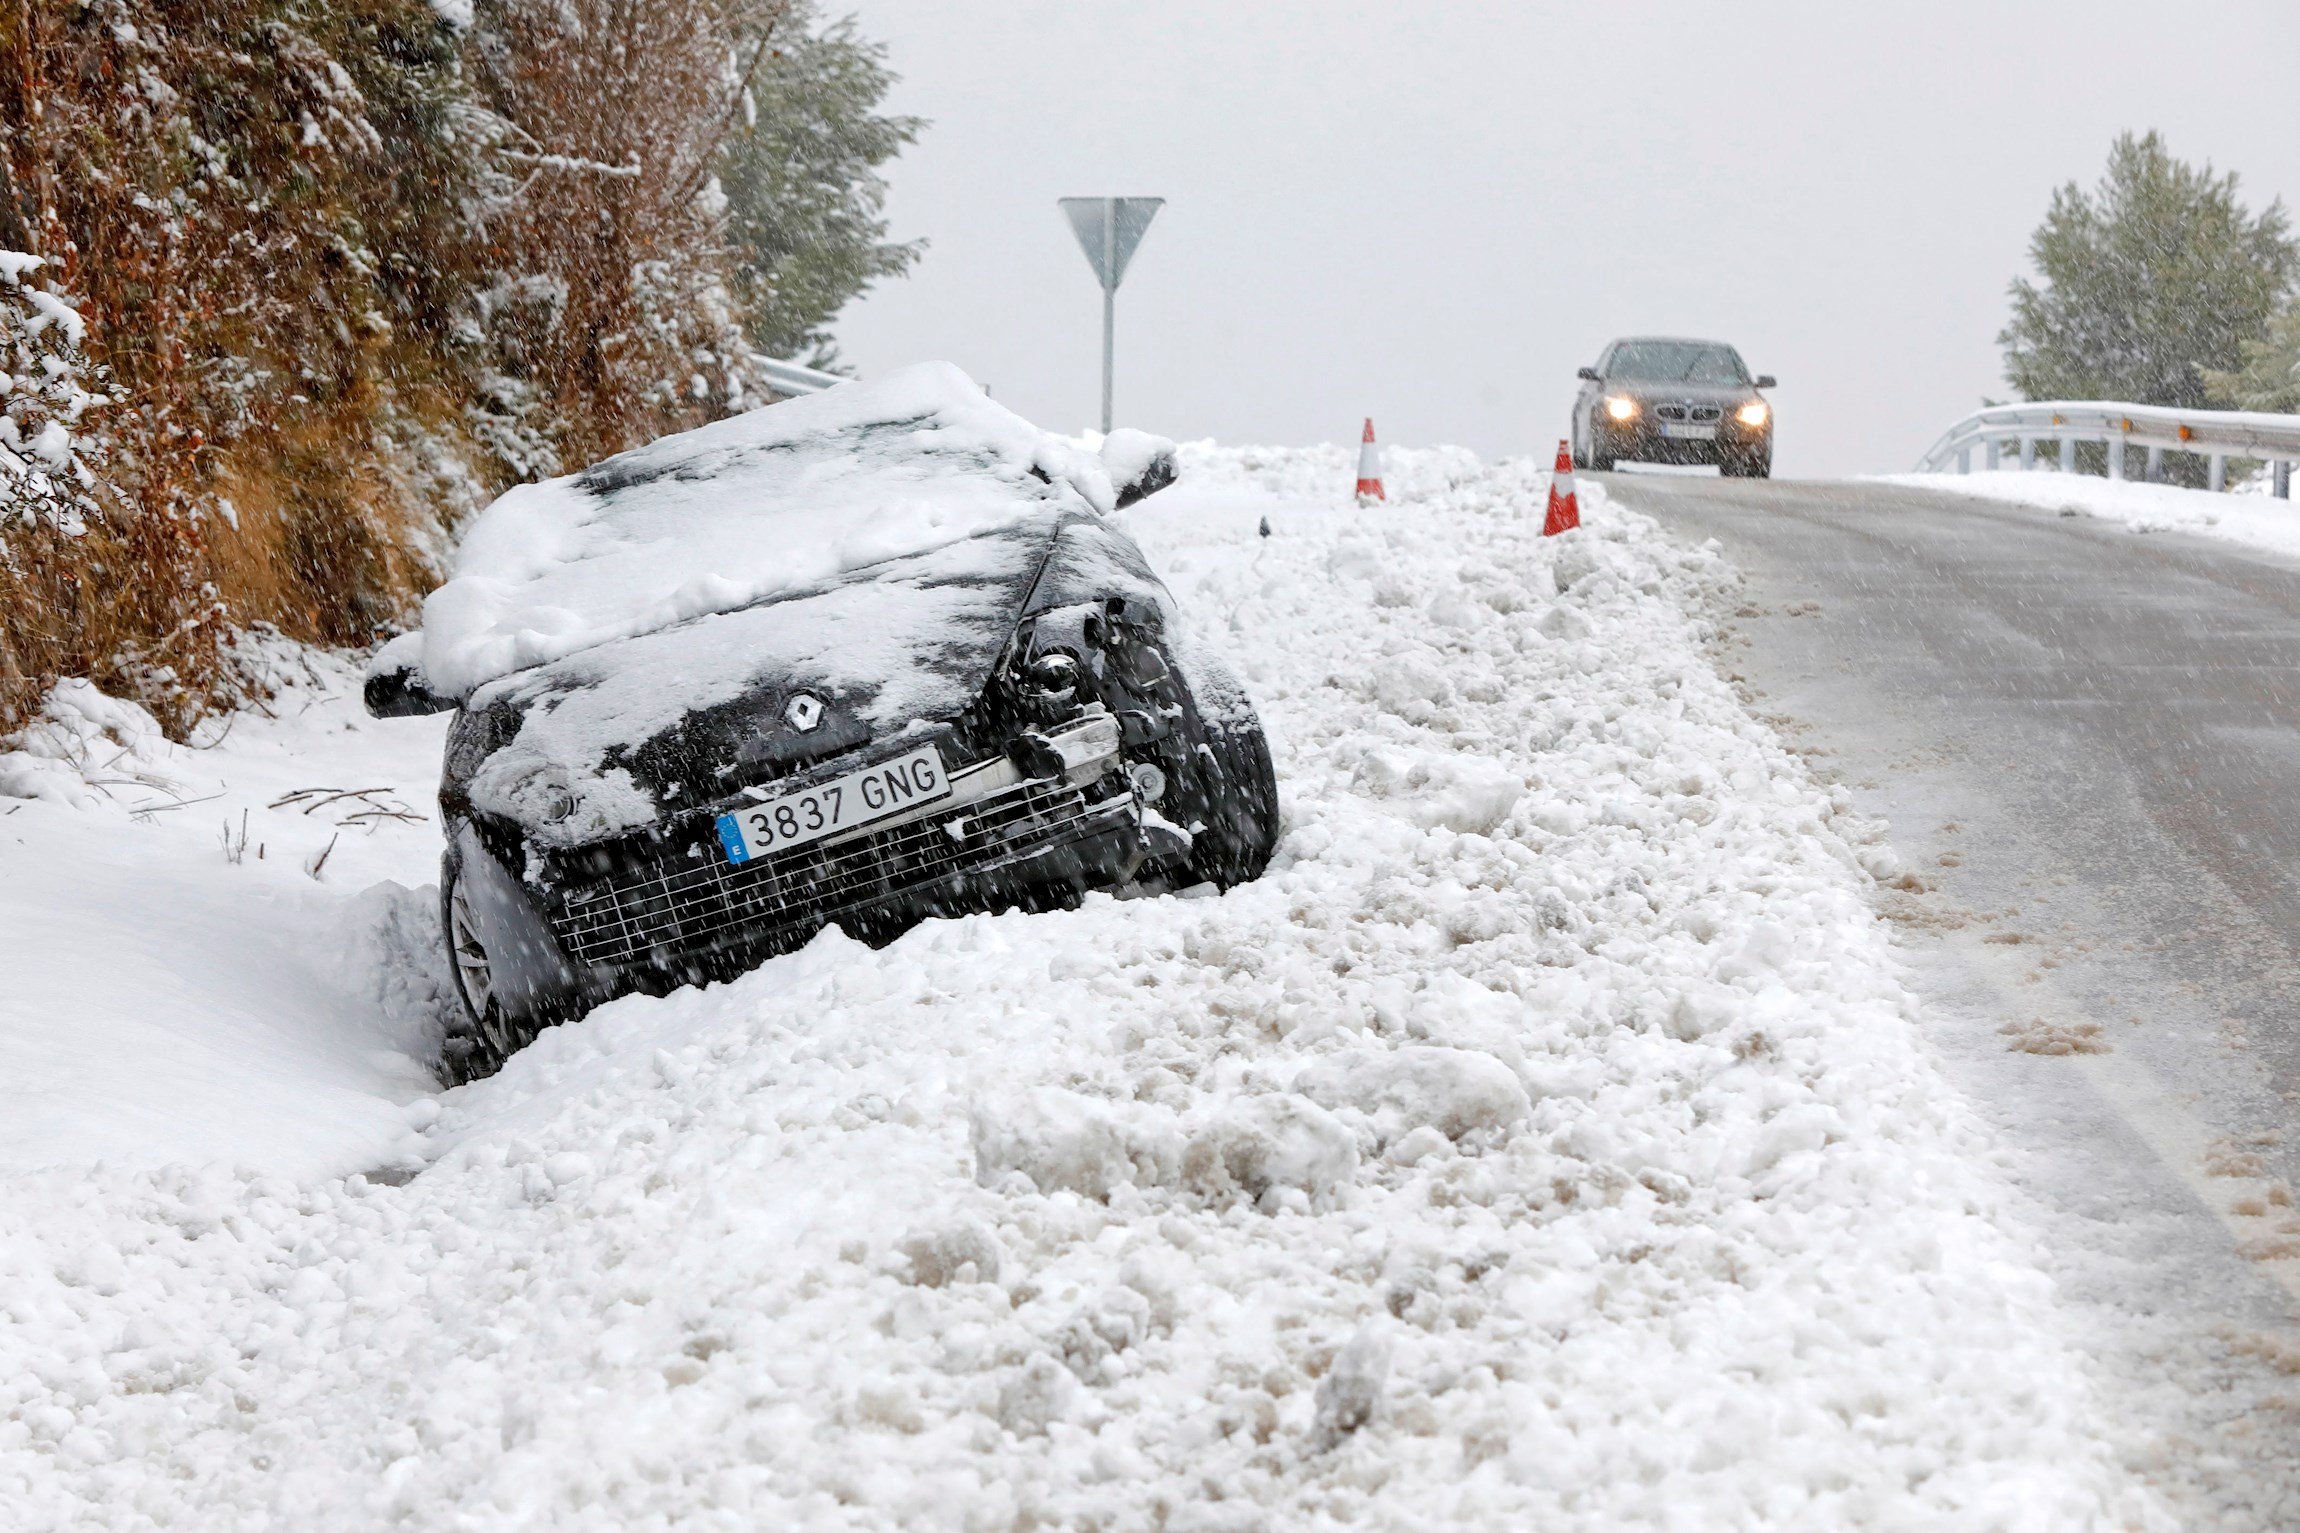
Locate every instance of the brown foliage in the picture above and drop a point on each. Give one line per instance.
(349, 271)
(194, 173)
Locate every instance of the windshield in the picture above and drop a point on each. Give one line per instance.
(1676, 362)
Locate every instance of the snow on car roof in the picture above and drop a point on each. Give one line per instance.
(714, 519)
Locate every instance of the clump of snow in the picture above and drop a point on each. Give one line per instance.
(959, 1253)
(1350, 1394)
(713, 519)
(1059, 1141)
(1731, 1255)
(1458, 1092)
(82, 745)
(1470, 794)
(1282, 1151)
(1036, 1396)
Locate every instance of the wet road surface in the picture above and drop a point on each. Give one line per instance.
(2087, 741)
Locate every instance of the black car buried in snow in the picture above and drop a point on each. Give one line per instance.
(1658, 399)
(865, 657)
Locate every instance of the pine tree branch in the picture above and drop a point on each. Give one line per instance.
(692, 182)
(574, 162)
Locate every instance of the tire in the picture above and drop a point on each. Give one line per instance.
(480, 1037)
(1238, 805)
(1746, 468)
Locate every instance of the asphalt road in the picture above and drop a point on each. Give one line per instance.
(2088, 743)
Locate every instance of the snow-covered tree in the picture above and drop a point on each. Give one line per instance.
(805, 200)
(612, 245)
(2154, 278)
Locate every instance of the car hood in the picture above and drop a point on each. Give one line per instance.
(619, 736)
(772, 503)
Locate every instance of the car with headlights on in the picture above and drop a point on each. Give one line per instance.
(866, 657)
(1662, 399)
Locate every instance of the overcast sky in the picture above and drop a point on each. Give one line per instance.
(1434, 213)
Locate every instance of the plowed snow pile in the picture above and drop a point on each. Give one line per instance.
(1544, 1143)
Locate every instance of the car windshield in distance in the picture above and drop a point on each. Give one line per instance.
(1675, 362)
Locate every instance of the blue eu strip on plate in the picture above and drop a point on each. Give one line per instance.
(731, 837)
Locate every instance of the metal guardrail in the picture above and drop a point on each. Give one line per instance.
(791, 379)
(2216, 435)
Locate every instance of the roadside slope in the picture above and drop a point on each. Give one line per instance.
(1545, 1141)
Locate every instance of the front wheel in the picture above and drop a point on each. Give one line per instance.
(481, 1036)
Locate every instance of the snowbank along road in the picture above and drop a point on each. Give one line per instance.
(2084, 732)
(1546, 1141)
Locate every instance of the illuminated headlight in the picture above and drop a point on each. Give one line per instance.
(1754, 413)
(1621, 409)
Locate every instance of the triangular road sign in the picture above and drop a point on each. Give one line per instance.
(1109, 228)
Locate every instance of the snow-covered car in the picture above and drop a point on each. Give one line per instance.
(869, 656)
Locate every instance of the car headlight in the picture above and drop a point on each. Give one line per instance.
(1621, 409)
(553, 799)
(1754, 413)
(1054, 673)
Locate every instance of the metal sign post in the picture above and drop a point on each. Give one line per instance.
(1108, 229)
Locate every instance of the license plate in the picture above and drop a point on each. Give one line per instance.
(1689, 433)
(794, 819)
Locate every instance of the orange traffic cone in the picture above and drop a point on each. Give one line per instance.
(1369, 467)
(1564, 510)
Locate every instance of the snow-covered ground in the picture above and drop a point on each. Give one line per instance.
(2249, 515)
(1546, 1141)
(185, 978)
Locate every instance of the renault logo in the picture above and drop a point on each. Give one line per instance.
(804, 711)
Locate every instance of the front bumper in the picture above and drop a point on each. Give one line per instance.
(1641, 441)
(654, 912)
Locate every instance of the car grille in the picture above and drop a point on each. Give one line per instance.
(1697, 414)
(662, 901)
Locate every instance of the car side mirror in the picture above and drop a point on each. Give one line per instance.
(1139, 464)
(395, 687)
(1589, 373)
(1765, 381)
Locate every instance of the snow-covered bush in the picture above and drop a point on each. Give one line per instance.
(48, 457)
